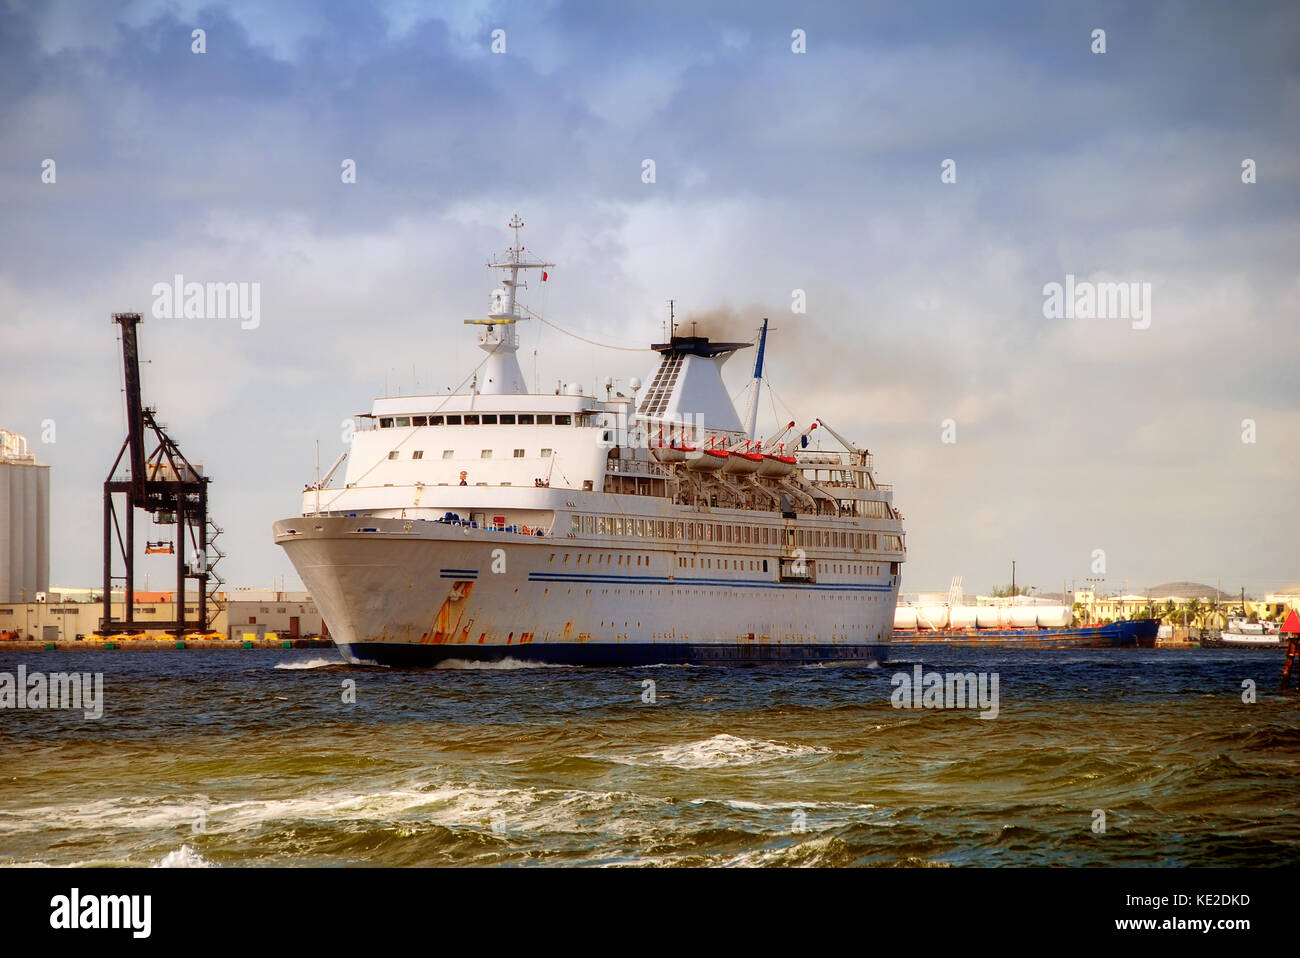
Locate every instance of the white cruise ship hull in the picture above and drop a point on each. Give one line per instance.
(408, 592)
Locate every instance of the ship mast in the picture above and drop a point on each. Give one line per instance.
(501, 373)
(751, 416)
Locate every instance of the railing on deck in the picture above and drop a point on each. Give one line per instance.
(636, 467)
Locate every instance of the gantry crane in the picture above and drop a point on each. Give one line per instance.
(172, 490)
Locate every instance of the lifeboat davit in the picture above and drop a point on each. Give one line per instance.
(743, 463)
(672, 453)
(706, 460)
(776, 466)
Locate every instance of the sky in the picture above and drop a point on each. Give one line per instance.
(920, 171)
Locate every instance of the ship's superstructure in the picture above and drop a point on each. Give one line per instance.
(583, 529)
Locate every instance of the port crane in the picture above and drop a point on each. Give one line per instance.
(174, 491)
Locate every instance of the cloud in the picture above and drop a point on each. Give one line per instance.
(775, 172)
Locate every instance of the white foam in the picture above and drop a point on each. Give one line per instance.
(873, 664)
(504, 665)
(184, 857)
(723, 750)
(310, 664)
(746, 806)
(667, 665)
(809, 849)
(450, 804)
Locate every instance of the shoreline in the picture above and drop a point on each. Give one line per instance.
(164, 644)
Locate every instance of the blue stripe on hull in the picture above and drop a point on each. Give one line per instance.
(611, 579)
(616, 654)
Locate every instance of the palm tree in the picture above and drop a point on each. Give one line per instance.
(1214, 616)
(1194, 611)
(1170, 611)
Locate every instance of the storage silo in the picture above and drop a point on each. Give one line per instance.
(24, 521)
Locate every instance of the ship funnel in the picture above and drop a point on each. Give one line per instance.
(688, 386)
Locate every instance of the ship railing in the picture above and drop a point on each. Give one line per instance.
(819, 458)
(511, 528)
(636, 467)
(830, 460)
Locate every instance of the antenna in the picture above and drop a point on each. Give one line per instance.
(672, 318)
(516, 224)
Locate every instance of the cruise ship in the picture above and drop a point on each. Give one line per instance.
(572, 528)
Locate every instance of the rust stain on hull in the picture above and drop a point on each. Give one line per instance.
(448, 619)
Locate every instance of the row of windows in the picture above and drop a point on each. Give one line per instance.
(709, 562)
(839, 568)
(451, 454)
(479, 419)
(737, 534)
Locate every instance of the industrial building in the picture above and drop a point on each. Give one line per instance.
(64, 614)
(24, 521)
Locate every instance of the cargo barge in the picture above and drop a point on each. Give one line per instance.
(1135, 634)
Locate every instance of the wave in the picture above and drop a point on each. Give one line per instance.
(504, 665)
(788, 806)
(725, 750)
(454, 805)
(184, 857)
(667, 665)
(317, 663)
(842, 665)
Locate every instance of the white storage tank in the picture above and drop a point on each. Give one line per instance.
(904, 619)
(933, 617)
(1022, 616)
(1054, 616)
(963, 617)
(988, 617)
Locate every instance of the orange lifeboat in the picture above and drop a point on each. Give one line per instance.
(743, 463)
(774, 467)
(707, 460)
(672, 453)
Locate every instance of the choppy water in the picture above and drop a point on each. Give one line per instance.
(784, 766)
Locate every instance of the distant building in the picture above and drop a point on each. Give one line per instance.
(1276, 604)
(24, 522)
(1213, 607)
(1180, 592)
(66, 613)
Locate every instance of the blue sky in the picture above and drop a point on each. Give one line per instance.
(775, 171)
